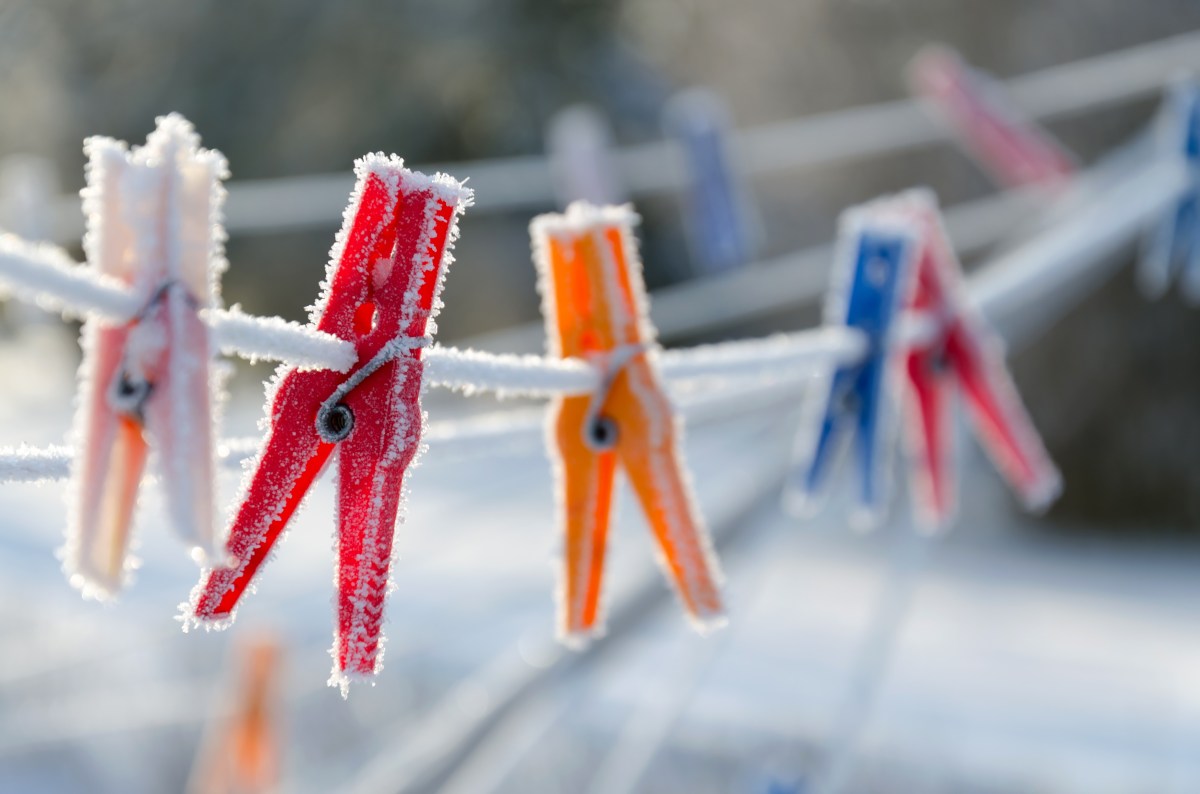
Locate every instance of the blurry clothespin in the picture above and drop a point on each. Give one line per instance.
(381, 292)
(1172, 250)
(595, 307)
(153, 216)
(870, 284)
(951, 346)
(721, 222)
(1005, 142)
(579, 142)
(241, 753)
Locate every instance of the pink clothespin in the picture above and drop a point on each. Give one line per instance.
(381, 293)
(952, 347)
(153, 217)
(1005, 142)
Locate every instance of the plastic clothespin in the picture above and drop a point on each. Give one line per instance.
(579, 141)
(153, 217)
(871, 282)
(1005, 142)
(721, 223)
(595, 307)
(957, 349)
(1172, 250)
(242, 752)
(381, 293)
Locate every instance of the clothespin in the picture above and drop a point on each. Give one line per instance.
(721, 223)
(242, 752)
(579, 142)
(1172, 250)
(871, 282)
(1005, 142)
(953, 347)
(153, 218)
(381, 293)
(595, 306)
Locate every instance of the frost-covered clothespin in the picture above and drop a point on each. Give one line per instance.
(720, 221)
(1172, 250)
(381, 293)
(1005, 142)
(579, 142)
(595, 307)
(870, 284)
(952, 347)
(153, 226)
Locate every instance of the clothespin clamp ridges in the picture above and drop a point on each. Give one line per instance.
(595, 307)
(154, 218)
(381, 293)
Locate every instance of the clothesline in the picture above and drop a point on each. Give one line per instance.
(526, 182)
(1038, 273)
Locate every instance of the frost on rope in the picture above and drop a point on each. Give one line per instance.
(474, 371)
(276, 339)
(34, 464)
(44, 275)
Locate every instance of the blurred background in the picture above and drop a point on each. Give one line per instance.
(1016, 654)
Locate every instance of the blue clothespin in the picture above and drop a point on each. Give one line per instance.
(871, 282)
(1172, 252)
(718, 217)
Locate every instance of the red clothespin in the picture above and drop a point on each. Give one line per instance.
(381, 293)
(954, 347)
(153, 223)
(1011, 147)
(595, 307)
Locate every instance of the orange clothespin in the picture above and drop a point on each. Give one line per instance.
(242, 752)
(595, 306)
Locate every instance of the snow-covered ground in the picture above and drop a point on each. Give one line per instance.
(1025, 662)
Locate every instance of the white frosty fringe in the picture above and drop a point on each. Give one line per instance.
(34, 464)
(45, 275)
(474, 371)
(276, 339)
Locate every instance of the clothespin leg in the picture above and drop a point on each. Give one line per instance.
(647, 442)
(932, 472)
(181, 425)
(283, 473)
(817, 453)
(1189, 276)
(371, 466)
(1004, 426)
(586, 501)
(1162, 248)
(111, 463)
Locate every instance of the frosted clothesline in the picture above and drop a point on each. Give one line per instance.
(1037, 274)
(524, 183)
(32, 464)
(45, 275)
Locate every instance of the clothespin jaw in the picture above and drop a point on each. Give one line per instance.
(153, 217)
(1171, 251)
(871, 282)
(956, 349)
(381, 293)
(1012, 148)
(595, 307)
